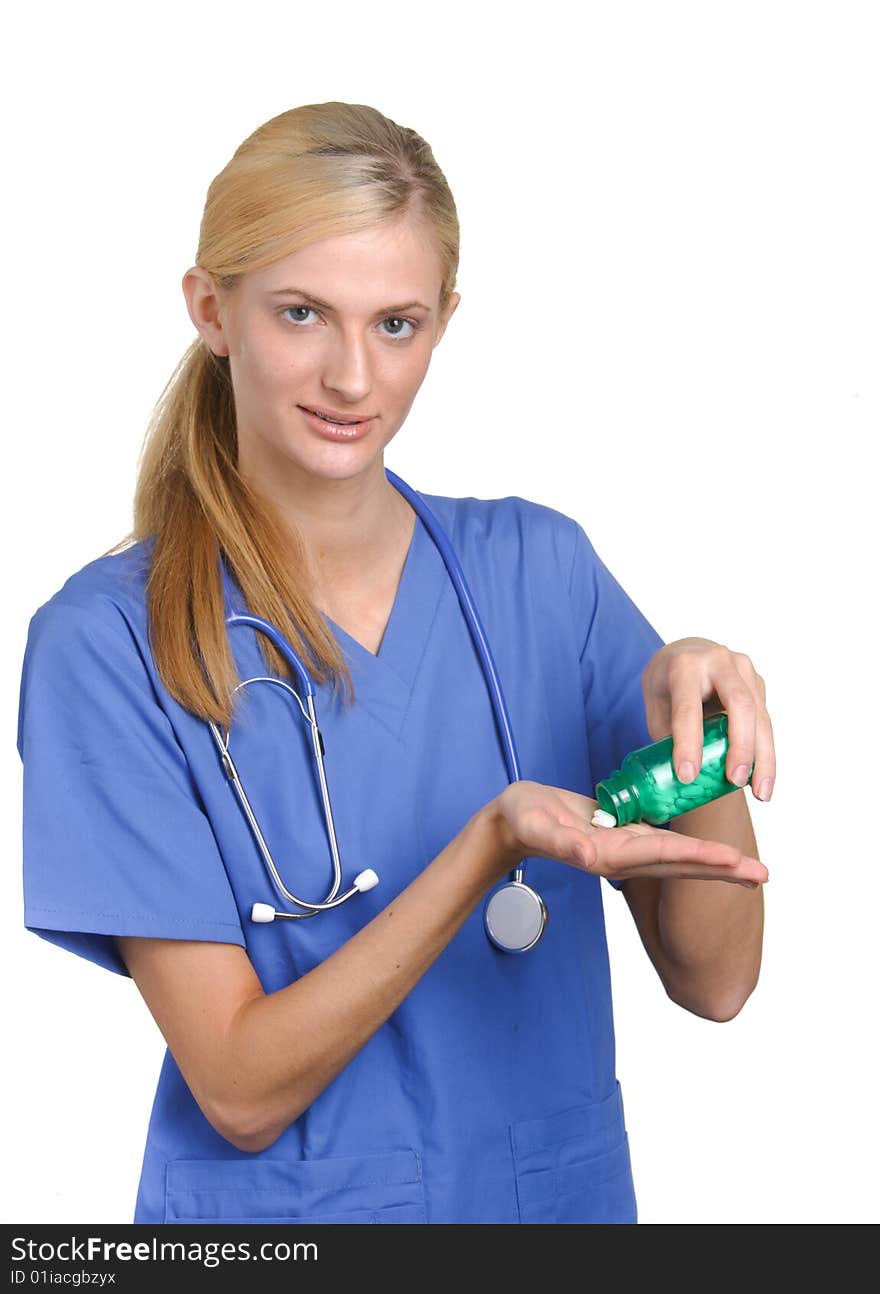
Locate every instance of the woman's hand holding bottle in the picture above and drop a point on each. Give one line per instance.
(537, 821)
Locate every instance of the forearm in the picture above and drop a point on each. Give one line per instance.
(711, 932)
(284, 1048)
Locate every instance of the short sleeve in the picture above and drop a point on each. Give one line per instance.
(617, 641)
(115, 839)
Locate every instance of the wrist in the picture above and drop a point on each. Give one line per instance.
(502, 846)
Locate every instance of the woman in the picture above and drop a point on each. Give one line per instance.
(382, 1061)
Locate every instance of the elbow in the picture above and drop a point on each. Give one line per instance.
(720, 1009)
(245, 1107)
(242, 1113)
(242, 1127)
(248, 1121)
(721, 1012)
(252, 1141)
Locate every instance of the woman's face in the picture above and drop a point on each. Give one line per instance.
(365, 352)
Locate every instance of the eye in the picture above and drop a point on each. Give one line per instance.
(287, 309)
(414, 324)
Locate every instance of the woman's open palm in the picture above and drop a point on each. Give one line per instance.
(550, 822)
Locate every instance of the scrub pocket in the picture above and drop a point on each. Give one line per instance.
(355, 1188)
(574, 1166)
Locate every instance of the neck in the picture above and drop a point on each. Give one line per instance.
(350, 528)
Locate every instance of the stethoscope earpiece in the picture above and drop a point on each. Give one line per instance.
(263, 913)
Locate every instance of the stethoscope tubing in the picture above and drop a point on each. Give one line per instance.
(229, 767)
(496, 696)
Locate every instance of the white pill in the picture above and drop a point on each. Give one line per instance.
(602, 819)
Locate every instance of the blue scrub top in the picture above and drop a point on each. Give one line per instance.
(490, 1094)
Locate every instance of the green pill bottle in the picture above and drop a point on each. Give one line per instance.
(645, 787)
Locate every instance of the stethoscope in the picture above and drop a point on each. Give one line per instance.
(514, 915)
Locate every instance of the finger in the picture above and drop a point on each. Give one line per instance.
(575, 844)
(657, 853)
(739, 697)
(765, 752)
(657, 714)
(580, 807)
(686, 717)
(569, 837)
(688, 855)
(673, 847)
(749, 873)
(728, 880)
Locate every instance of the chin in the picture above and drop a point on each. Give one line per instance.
(342, 463)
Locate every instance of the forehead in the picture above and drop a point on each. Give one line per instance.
(394, 262)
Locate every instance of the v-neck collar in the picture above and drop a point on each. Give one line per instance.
(387, 644)
(383, 683)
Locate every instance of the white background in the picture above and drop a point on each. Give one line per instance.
(668, 330)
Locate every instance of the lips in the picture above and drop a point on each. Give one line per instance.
(340, 432)
(337, 415)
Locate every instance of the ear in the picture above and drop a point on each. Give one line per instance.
(203, 304)
(450, 311)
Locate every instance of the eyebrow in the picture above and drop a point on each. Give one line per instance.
(325, 305)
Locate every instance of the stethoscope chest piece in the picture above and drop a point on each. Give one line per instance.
(515, 917)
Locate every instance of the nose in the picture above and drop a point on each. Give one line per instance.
(347, 366)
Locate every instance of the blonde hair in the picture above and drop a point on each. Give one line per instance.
(313, 172)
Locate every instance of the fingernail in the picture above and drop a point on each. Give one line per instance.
(766, 789)
(741, 775)
(686, 772)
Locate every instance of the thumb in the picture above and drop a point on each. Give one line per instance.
(578, 847)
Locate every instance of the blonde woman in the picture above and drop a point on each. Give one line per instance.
(379, 1057)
